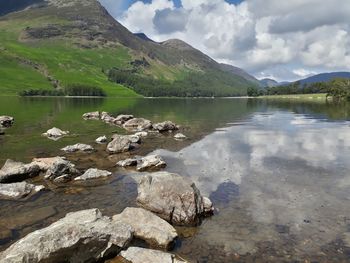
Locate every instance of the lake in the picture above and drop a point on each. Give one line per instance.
(277, 171)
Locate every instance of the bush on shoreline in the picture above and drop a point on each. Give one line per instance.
(70, 90)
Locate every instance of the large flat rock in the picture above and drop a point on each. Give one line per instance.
(84, 236)
(16, 171)
(144, 255)
(149, 227)
(18, 190)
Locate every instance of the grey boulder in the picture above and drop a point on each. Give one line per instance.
(16, 171)
(93, 173)
(138, 124)
(121, 143)
(6, 121)
(122, 118)
(78, 147)
(165, 126)
(173, 198)
(95, 115)
(151, 162)
(144, 255)
(149, 227)
(61, 170)
(19, 190)
(84, 236)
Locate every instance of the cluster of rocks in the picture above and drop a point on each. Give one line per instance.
(88, 236)
(55, 169)
(5, 122)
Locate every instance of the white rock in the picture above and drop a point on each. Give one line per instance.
(180, 136)
(93, 173)
(151, 162)
(149, 227)
(55, 133)
(102, 139)
(144, 255)
(19, 190)
(78, 147)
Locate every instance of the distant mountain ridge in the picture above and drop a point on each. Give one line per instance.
(324, 77)
(80, 42)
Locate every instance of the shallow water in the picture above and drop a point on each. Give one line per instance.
(277, 172)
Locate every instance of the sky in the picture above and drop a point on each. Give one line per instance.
(283, 40)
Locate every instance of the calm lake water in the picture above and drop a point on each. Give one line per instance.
(278, 172)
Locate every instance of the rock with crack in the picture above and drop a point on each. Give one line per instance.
(93, 173)
(144, 255)
(16, 171)
(121, 143)
(84, 236)
(173, 198)
(46, 163)
(101, 140)
(6, 121)
(55, 133)
(148, 227)
(62, 170)
(138, 124)
(180, 136)
(78, 147)
(165, 126)
(19, 190)
(122, 118)
(151, 162)
(127, 162)
(95, 115)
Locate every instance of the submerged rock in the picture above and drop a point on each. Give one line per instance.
(144, 255)
(127, 162)
(173, 198)
(95, 115)
(61, 170)
(16, 171)
(138, 124)
(101, 140)
(120, 143)
(6, 121)
(93, 173)
(180, 136)
(149, 227)
(78, 147)
(165, 126)
(19, 190)
(151, 162)
(84, 236)
(55, 133)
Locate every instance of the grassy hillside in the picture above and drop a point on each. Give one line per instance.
(77, 42)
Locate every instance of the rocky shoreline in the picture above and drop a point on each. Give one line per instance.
(164, 199)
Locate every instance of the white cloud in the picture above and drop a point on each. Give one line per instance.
(275, 37)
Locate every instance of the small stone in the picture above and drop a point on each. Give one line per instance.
(6, 121)
(55, 133)
(101, 140)
(127, 162)
(78, 147)
(95, 115)
(151, 162)
(180, 136)
(93, 173)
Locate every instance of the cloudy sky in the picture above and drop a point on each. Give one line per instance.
(285, 40)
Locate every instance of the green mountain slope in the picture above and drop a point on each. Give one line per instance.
(58, 43)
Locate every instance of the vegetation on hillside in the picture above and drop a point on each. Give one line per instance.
(338, 89)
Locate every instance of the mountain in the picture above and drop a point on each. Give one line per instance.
(268, 83)
(143, 36)
(53, 44)
(240, 72)
(324, 77)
